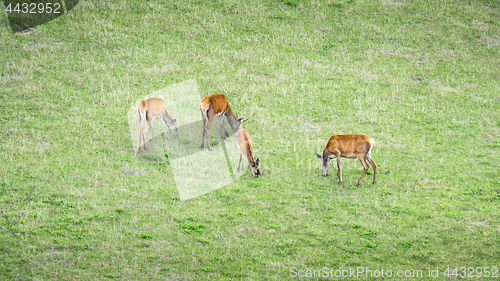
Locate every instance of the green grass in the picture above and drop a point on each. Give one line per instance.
(420, 77)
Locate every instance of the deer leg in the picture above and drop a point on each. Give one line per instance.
(374, 169)
(204, 128)
(240, 163)
(143, 134)
(207, 131)
(365, 168)
(150, 124)
(339, 169)
(140, 137)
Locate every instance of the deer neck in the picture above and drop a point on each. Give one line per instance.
(233, 121)
(251, 161)
(169, 119)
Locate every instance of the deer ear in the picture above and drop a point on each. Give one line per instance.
(257, 162)
(319, 156)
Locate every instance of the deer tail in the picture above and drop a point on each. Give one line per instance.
(204, 111)
(142, 112)
(372, 145)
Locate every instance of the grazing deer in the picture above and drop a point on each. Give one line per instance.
(246, 148)
(217, 105)
(349, 146)
(154, 108)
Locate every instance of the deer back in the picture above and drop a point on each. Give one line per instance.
(217, 103)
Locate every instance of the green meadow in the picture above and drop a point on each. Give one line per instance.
(420, 77)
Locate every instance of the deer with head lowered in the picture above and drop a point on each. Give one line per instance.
(150, 109)
(217, 105)
(351, 147)
(246, 148)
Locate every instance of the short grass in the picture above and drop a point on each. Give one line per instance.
(421, 77)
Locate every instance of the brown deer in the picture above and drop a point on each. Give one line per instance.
(217, 105)
(349, 146)
(154, 108)
(246, 148)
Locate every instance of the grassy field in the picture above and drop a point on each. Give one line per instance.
(420, 77)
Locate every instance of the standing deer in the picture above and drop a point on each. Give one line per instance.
(217, 105)
(246, 148)
(154, 108)
(349, 146)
